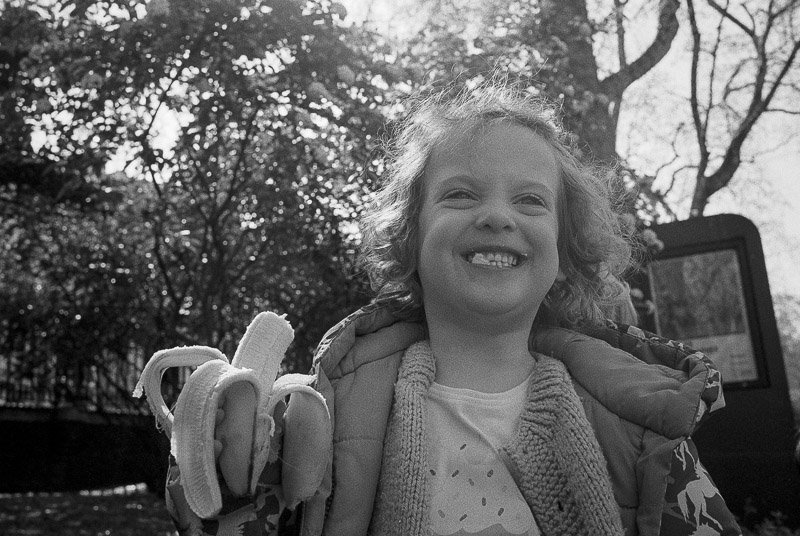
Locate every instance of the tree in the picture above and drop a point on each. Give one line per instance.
(241, 205)
(73, 305)
(26, 178)
(735, 95)
(552, 45)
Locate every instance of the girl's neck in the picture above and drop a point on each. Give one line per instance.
(485, 357)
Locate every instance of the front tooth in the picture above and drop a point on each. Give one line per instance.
(480, 258)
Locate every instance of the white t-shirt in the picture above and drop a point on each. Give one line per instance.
(471, 490)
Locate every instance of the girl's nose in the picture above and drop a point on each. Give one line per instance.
(495, 218)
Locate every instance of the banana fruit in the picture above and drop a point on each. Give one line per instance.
(235, 432)
(247, 391)
(305, 457)
(194, 424)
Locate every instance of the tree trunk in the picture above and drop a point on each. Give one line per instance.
(598, 101)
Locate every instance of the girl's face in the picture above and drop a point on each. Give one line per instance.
(488, 226)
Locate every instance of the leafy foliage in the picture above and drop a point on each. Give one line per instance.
(238, 131)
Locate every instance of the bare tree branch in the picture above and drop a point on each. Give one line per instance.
(762, 92)
(699, 123)
(730, 89)
(619, 17)
(668, 25)
(725, 13)
(712, 77)
(665, 165)
(758, 105)
(782, 111)
(784, 70)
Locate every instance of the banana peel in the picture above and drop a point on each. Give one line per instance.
(247, 390)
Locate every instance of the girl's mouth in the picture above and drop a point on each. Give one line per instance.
(496, 259)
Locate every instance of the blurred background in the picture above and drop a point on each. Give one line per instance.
(169, 168)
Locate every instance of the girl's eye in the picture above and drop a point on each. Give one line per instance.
(458, 194)
(531, 199)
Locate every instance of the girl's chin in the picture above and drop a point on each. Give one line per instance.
(497, 308)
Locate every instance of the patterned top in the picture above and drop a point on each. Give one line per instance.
(471, 490)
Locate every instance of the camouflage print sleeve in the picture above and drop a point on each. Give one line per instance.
(246, 516)
(693, 505)
(185, 521)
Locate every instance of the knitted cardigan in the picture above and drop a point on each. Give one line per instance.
(554, 458)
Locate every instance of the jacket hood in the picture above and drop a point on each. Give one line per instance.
(654, 382)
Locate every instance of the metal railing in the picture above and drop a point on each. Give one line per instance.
(100, 384)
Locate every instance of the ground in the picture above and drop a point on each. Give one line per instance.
(130, 511)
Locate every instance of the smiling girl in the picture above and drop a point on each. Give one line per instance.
(486, 240)
(469, 397)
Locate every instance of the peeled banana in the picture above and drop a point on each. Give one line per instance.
(192, 441)
(235, 432)
(305, 456)
(246, 390)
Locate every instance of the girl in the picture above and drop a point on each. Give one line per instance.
(463, 402)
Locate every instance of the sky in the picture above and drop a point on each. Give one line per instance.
(766, 191)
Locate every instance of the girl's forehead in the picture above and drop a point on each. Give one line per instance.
(505, 151)
(473, 144)
(470, 134)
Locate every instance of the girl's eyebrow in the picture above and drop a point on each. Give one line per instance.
(462, 178)
(456, 179)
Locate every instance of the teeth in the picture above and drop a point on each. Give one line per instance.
(499, 260)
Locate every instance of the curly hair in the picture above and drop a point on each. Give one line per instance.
(594, 248)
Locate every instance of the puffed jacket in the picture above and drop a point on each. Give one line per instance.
(642, 396)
